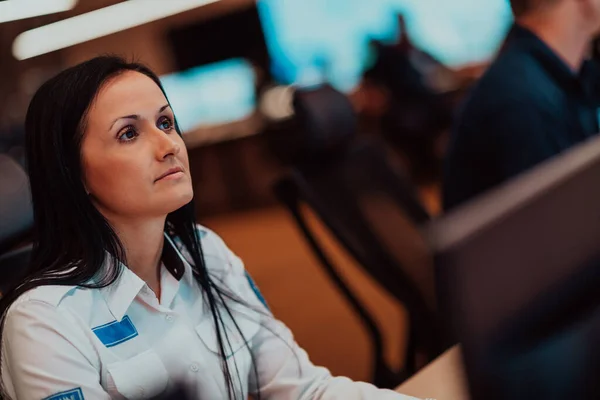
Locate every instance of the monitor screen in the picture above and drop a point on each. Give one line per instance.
(212, 94)
(304, 35)
(518, 273)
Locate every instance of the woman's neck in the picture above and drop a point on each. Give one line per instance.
(143, 242)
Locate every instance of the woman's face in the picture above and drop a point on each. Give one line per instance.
(135, 164)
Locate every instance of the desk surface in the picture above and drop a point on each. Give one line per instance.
(442, 379)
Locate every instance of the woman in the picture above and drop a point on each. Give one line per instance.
(126, 297)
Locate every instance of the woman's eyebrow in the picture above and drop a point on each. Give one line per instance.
(135, 116)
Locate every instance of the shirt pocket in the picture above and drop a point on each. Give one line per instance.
(141, 377)
(249, 325)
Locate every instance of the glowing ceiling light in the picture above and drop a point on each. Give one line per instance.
(98, 23)
(13, 10)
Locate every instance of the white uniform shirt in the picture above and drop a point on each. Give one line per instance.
(120, 342)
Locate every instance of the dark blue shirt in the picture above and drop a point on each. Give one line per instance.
(528, 107)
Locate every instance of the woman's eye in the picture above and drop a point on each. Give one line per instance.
(128, 135)
(165, 124)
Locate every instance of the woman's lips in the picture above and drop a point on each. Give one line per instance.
(171, 173)
(172, 176)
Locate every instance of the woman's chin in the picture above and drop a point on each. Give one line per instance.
(178, 199)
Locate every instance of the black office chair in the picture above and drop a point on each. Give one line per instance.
(372, 210)
(16, 221)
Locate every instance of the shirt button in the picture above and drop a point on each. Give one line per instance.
(169, 318)
(194, 367)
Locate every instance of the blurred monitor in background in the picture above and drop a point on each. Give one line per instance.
(212, 94)
(235, 34)
(458, 32)
(314, 40)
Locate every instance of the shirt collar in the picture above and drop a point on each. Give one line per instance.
(558, 69)
(121, 293)
(173, 261)
(184, 258)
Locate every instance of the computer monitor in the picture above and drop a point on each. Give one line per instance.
(518, 276)
(309, 38)
(212, 94)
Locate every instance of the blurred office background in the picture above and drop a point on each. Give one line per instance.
(231, 68)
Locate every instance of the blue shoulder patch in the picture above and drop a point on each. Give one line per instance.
(115, 332)
(74, 394)
(256, 291)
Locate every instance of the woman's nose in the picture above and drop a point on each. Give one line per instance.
(167, 145)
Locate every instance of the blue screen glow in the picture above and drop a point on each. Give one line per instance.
(304, 35)
(211, 94)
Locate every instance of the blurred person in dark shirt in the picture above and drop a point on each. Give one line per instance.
(536, 100)
(409, 92)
